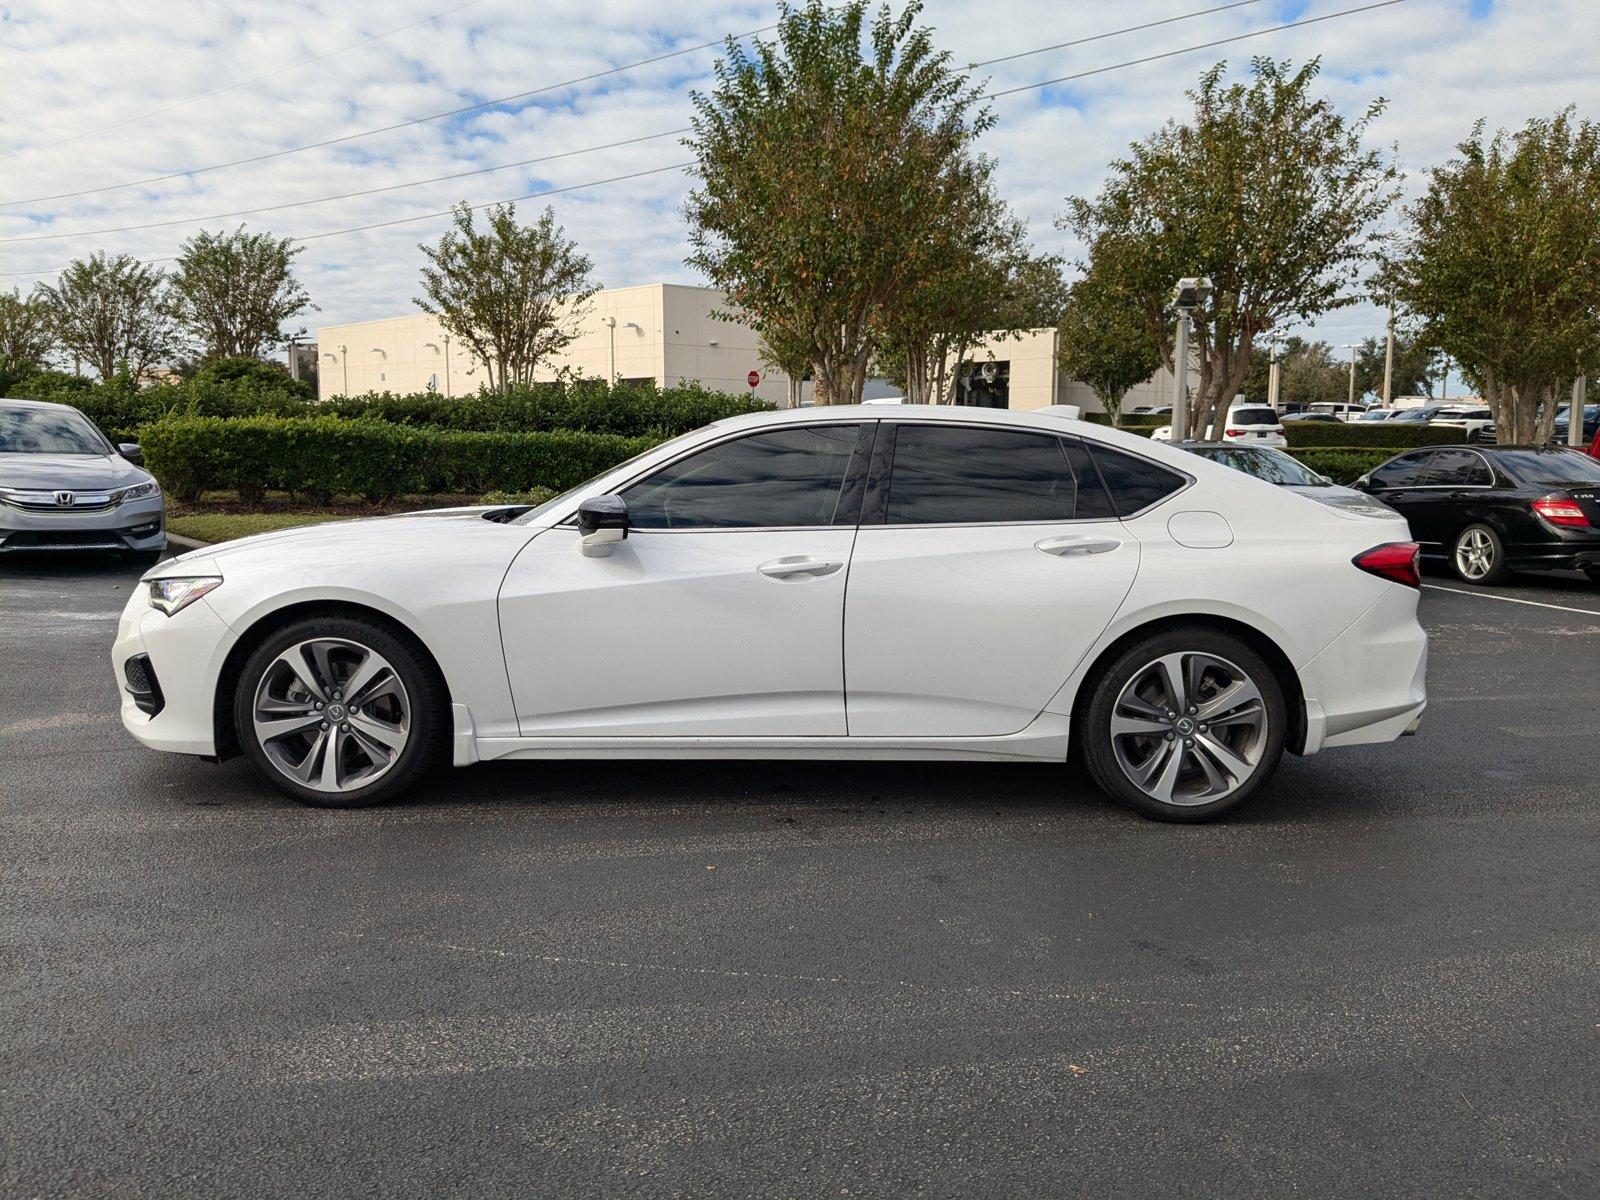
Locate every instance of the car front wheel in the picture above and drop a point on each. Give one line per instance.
(1186, 725)
(339, 712)
(1479, 556)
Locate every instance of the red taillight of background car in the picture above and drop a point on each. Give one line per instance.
(1561, 510)
(1234, 432)
(1393, 560)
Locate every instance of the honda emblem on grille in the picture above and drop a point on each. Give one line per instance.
(64, 499)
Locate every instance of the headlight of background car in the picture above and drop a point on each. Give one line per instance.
(178, 592)
(137, 492)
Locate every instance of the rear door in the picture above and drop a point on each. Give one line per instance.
(988, 561)
(1452, 497)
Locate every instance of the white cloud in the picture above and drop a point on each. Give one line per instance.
(74, 67)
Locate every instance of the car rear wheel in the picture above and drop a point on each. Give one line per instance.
(1186, 725)
(1479, 556)
(339, 712)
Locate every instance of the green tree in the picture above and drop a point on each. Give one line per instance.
(1105, 341)
(1500, 267)
(1414, 367)
(26, 337)
(820, 169)
(233, 292)
(113, 312)
(1268, 190)
(514, 294)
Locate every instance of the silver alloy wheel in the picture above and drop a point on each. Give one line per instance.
(1189, 728)
(331, 714)
(1475, 554)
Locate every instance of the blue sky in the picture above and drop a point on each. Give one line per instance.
(73, 68)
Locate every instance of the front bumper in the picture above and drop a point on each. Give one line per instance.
(135, 525)
(182, 657)
(1370, 683)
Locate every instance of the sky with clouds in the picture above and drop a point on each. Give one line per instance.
(101, 93)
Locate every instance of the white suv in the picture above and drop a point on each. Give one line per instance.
(1247, 425)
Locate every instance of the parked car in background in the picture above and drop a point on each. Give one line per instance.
(1488, 511)
(1378, 414)
(1344, 412)
(1476, 421)
(1327, 418)
(63, 486)
(1148, 607)
(1563, 422)
(1287, 472)
(1245, 425)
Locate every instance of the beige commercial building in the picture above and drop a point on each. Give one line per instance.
(666, 333)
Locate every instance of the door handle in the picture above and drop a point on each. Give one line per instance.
(788, 568)
(1063, 546)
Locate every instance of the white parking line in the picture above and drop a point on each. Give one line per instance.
(1588, 612)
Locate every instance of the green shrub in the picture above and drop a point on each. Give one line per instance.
(537, 495)
(326, 456)
(1368, 433)
(1346, 464)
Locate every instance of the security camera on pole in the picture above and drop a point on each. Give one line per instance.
(1187, 295)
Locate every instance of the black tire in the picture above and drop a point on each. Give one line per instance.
(1106, 685)
(1462, 561)
(424, 697)
(1593, 573)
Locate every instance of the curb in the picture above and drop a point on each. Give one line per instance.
(185, 544)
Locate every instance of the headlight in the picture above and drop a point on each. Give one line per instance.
(137, 492)
(179, 591)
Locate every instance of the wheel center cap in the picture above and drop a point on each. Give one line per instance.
(1185, 726)
(335, 712)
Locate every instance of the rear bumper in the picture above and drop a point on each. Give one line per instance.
(1370, 683)
(137, 525)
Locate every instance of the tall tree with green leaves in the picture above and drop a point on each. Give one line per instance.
(1105, 341)
(514, 294)
(1415, 365)
(232, 293)
(1268, 190)
(26, 337)
(1500, 267)
(819, 172)
(113, 312)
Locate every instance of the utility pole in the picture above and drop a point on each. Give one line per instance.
(1272, 376)
(1388, 357)
(446, 340)
(1351, 399)
(1580, 393)
(1187, 295)
(294, 358)
(344, 361)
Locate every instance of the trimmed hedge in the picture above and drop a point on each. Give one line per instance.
(323, 457)
(1406, 435)
(1346, 464)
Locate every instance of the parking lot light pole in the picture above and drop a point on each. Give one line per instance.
(1388, 358)
(1187, 295)
(1580, 394)
(1352, 347)
(1272, 375)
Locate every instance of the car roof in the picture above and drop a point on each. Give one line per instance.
(15, 405)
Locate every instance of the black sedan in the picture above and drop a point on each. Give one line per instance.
(1490, 511)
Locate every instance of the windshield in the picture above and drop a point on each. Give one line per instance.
(1265, 464)
(1375, 415)
(1550, 468)
(556, 501)
(48, 431)
(1415, 414)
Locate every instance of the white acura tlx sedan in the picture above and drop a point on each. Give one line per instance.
(906, 583)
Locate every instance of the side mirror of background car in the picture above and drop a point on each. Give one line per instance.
(1363, 483)
(603, 522)
(131, 452)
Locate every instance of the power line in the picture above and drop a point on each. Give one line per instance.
(351, 137)
(155, 112)
(247, 212)
(681, 166)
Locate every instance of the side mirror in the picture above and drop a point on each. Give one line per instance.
(603, 522)
(131, 452)
(1363, 484)
(1327, 480)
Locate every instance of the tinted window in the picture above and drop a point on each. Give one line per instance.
(1253, 416)
(945, 474)
(1264, 464)
(778, 478)
(1406, 471)
(1541, 468)
(48, 431)
(1134, 483)
(1459, 468)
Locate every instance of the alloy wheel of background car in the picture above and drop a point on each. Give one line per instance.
(336, 713)
(1478, 556)
(1185, 726)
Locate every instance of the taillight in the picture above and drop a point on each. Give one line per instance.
(1393, 560)
(1560, 510)
(1235, 432)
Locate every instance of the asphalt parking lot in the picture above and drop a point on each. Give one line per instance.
(782, 979)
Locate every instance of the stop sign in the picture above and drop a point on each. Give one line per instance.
(753, 378)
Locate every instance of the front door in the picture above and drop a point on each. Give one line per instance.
(987, 564)
(720, 614)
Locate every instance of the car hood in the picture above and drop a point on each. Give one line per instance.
(368, 537)
(1347, 501)
(75, 472)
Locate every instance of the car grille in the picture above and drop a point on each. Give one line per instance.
(79, 502)
(63, 539)
(142, 684)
